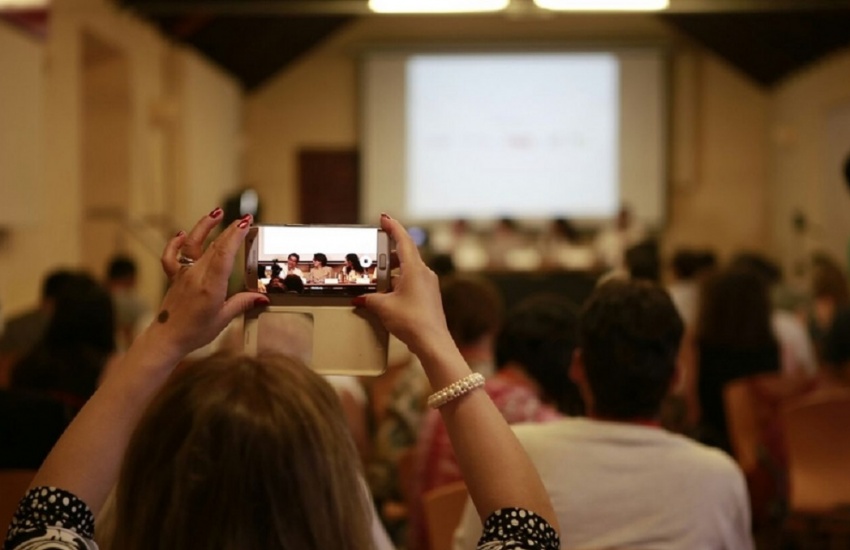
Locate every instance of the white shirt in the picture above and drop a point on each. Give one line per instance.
(618, 485)
(685, 296)
(794, 339)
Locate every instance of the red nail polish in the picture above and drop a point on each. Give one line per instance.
(358, 301)
(385, 215)
(216, 213)
(259, 302)
(180, 233)
(243, 224)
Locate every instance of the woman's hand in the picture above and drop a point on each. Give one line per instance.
(196, 308)
(413, 310)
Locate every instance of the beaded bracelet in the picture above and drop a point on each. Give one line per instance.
(455, 390)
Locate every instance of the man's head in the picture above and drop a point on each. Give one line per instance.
(473, 309)
(629, 335)
(292, 261)
(53, 285)
(539, 336)
(121, 272)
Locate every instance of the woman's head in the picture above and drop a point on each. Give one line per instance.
(239, 452)
(353, 262)
(320, 260)
(735, 310)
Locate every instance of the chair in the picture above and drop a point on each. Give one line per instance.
(757, 440)
(818, 454)
(13, 487)
(443, 510)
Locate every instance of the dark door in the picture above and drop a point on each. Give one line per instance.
(329, 185)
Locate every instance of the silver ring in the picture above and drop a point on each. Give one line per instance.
(184, 261)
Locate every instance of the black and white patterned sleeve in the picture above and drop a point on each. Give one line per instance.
(51, 519)
(517, 529)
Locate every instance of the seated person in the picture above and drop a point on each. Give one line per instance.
(293, 284)
(253, 452)
(320, 270)
(533, 351)
(292, 265)
(617, 479)
(353, 270)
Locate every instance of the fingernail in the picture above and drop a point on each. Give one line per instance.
(259, 302)
(180, 233)
(216, 213)
(385, 215)
(358, 301)
(246, 220)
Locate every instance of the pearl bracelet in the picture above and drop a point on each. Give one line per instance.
(455, 390)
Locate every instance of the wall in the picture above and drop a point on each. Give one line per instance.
(183, 140)
(810, 137)
(24, 202)
(719, 130)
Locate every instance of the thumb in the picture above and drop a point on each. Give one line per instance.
(240, 303)
(372, 302)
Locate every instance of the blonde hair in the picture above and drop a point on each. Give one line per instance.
(242, 453)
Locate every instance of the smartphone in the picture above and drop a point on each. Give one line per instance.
(316, 265)
(310, 273)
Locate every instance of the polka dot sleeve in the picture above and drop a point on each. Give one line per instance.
(51, 518)
(517, 529)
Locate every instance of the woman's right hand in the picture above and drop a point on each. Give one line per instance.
(412, 310)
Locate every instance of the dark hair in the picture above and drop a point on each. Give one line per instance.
(297, 257)
(540, 334)
(565, 228)
(836, 350)
(293, 283)
(442, 264)
(321, 258)
(735, 311)
(121, 267)
(643, 261)
(54, 282)
(629, 334)
(473, 307)
(829, 281)
(355, 262)
(686, 264)
(276, 269)
(758, 264)
(77, 342)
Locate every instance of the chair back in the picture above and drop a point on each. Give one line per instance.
(443, 509)
(816, 430)
(13, 487)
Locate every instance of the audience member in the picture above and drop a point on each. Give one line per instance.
(253, 453)
(533, 351)
(77, 344)
(689, 267)
(734, 339)
(130, 309)
(643, 261)
(397, 404)
(830, 294)
(320, 270)
(25, 330)
(836, 353)
(798, 353)
(474, 310)
(617, 480)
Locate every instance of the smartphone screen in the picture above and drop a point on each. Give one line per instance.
(316, 261)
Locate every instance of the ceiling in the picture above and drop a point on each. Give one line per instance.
(255, 39)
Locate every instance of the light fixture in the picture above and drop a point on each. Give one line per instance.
(603, 5)
(436, 6)
(23, 5)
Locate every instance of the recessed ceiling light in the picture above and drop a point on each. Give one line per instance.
(603, 5)
(23, 4)
(436, 6)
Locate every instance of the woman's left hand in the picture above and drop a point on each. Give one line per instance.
(196, 308)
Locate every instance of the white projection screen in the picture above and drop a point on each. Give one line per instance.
(530, 135)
